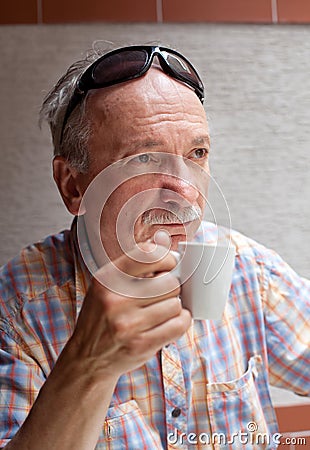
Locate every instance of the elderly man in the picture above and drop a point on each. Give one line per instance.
(91, 358)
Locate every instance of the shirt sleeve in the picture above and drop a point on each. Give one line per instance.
(287, 319)
(20, 381)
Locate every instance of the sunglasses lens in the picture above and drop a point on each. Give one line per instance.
(119, 66)
(181, 68)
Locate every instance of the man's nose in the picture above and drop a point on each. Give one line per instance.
(179, 191)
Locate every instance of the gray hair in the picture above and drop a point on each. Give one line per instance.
(76, 134)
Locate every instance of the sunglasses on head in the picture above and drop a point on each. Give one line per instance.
(128, 63)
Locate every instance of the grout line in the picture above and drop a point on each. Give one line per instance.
(159, 11)
(274, 11)
(39, 12)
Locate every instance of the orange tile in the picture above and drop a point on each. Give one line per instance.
(217, 11)
(63, 11)
(294, 11)
(18, 11)
(293, 418)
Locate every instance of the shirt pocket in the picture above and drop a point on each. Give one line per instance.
(126, 427)
(235, 412)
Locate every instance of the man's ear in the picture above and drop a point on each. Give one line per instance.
(66, 178)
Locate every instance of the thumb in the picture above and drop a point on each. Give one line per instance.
(162, 237)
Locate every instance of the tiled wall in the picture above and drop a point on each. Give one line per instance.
(75, 11)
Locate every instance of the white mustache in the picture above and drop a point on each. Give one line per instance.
(180, 215)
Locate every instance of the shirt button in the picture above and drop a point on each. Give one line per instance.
(176, 412)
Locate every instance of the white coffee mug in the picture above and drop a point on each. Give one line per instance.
(205, 272)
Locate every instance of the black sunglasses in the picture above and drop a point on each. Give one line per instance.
(127, 63)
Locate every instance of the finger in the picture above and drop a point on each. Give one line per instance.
(138, 293)
(146, 318)
(158, 286)
(158, 313)
(142, 260)
(168, 331)
(147, 291)
(162, 237)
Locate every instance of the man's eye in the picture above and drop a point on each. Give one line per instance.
(143, 161)
(143, 158)
(200, 153)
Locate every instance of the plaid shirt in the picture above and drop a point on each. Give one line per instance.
(209, 389)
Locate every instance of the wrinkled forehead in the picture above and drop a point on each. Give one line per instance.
(143, 93)
(153, 113)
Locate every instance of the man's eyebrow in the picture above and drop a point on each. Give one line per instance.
(201, 140)
(149, 144)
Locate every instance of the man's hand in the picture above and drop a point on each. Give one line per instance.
(116, 333)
